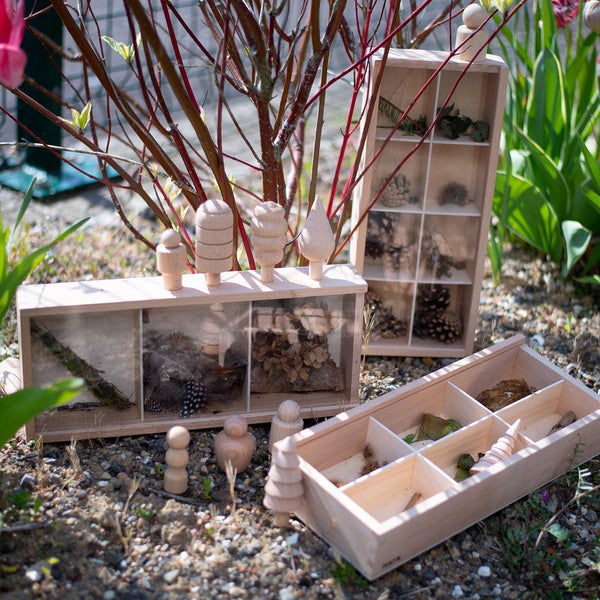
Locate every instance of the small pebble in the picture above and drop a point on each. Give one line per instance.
(484, 571)
(171, 576)
(457, 592)
(28, 482)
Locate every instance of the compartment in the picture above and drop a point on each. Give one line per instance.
(390, 306)
(448, 249)
(353, 450)
(391, 246)
(195, 359)
(398, 487)
(446, 401)
(475, 97)
(397, 93)
(406, 191)
(475, 439)
(457, 191)
(506, 368)
(542, 412)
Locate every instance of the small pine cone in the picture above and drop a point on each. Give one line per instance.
(421, 323)
(445, 327)
(434, 297)
(454, 193)
(392, 327)
(374, 248)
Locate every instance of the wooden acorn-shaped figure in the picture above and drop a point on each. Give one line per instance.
(177, 458)
(214, 240)
(171, 259)
(268, 237)
(591, 15)
(473, 17)
(286, 422)
(502, 449)
(316, 241)
(234, 444)
(284, 492)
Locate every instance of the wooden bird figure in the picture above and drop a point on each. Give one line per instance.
(268, 237)
(214, 240)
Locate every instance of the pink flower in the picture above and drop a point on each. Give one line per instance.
(12, 58)
(565, 11)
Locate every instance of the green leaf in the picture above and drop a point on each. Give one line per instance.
(19, 408)
(123, 50)
(546, 111)
(528, 214)
(577, 239)
(558, 531)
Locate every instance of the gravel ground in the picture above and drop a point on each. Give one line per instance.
(90, 520)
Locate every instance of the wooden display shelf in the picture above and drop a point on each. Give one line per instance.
(151, 345)
(366, 516)
(418, 231)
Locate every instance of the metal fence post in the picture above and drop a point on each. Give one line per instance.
(41, 68)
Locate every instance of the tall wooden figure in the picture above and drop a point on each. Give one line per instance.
(177, 458)
(214, 240)
(268, 237)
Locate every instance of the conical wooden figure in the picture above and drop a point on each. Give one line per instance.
(286, 422)
(171, 259)
(316, 241)
(177, 458)
(214, 240)
(501, 450)
(474, 16)
(234, 444)
(268, 237)
(284, 492)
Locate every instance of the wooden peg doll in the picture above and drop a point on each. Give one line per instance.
(268, 237)
(286, 422)
(284, 492)
(177, 458)
(473, 17)
(214, 240)
(234, 444)
(316, 241)
(171, 259)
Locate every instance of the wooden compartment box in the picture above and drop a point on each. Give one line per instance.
(423, 244)
(154, 358)
(408, 499)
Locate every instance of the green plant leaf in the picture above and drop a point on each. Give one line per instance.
(577, 239)
(528, 214)
(558, 531)
(546, 110)
(18, 408)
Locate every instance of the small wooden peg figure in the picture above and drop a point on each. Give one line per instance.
(214, 240)
(286, 422)
(234, 444)
(171, 259)
(268, 237)
(474, 16)
(316, 241)
(284, 492)
(177, 458)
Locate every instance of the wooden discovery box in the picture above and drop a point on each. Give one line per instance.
(365, 517)
(152, 357)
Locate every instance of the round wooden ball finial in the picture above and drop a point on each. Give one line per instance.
(214, 240)
(286, 422)
(171, 259)
(234, 444)
(470, 42)
(177, 458)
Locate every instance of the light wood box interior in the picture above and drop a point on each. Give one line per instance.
(365, 515)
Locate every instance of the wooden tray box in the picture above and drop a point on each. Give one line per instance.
(364, 517)
(149, 343)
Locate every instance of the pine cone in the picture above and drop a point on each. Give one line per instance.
(445, 327)
(434, 297)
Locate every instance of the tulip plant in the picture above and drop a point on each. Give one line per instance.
(277, 57)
